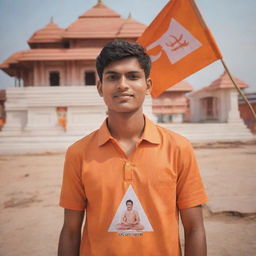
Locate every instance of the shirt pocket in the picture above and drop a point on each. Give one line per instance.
(166, 177)
(165, 187)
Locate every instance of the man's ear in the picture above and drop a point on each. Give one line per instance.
(99, 88)
(149, 86)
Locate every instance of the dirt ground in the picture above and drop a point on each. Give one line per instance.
(30, 219)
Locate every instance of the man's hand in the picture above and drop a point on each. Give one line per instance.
(70, 236)
(195, 240)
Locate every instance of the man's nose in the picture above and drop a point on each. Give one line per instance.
(123, 83)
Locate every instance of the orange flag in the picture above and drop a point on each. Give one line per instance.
(179, 44)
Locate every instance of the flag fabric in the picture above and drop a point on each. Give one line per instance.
(179, 44)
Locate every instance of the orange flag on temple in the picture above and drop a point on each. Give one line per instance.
(179, 44)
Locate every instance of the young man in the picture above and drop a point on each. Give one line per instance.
(130, 154)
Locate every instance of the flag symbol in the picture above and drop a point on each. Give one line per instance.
(176, 42)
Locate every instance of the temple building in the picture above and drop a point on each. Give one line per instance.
(217, 102)
(245, 112)
(66, 57)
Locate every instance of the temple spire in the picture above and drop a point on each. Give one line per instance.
(100, 3)
(51, 20)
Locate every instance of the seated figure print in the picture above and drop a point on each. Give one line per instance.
(130, 219)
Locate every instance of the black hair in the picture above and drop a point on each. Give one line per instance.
(120, 49)
(129, 201)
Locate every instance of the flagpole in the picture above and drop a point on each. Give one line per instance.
(224, 64)
(238, 89)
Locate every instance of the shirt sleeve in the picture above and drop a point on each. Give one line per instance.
(190, 189)
(72, 191)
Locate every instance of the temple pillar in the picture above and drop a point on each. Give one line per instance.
(36, 74)
(233, 114)
(73, 73)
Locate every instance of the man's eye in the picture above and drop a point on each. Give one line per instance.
(133, 77)
(112, 77)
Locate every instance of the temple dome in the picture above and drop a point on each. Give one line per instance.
(130, 27)
(100, 10)
(53, 43)
(224, 82)
(51, 33)
(102, 22)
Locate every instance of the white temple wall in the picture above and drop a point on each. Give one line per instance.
(194, 109)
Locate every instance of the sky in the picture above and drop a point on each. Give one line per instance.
(232, 22)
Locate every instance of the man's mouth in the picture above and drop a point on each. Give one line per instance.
(123, 95)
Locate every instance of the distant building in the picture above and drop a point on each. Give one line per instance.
(217, 102)
(245, 112)
(172, 105)
(2, 112)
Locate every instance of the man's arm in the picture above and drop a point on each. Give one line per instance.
(70, 236)
(195, 240)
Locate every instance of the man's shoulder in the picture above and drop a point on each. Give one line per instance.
(84, 143)
(171, 137)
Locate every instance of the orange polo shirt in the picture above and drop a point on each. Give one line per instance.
(160, 177)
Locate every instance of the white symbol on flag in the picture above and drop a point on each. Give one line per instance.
(130, 218)
(176, 42)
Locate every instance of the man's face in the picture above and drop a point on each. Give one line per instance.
(124, 86)
(129, 206)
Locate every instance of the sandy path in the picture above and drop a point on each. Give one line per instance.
(30, 219)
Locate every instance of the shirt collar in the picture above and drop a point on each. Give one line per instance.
(104, 134)
(150, 133)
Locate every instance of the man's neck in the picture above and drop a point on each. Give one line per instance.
(125, 126)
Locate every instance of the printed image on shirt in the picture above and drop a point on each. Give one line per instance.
(130, 218)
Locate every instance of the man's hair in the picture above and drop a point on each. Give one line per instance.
(118, 50)
(129, 201)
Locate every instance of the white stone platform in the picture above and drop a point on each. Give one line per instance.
(211, 132)
(196, 133)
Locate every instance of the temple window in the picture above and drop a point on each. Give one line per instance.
(90, 78)
(54, 78)
(66, 45)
